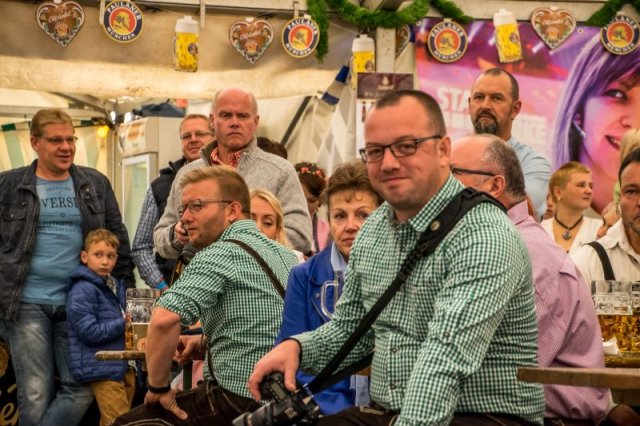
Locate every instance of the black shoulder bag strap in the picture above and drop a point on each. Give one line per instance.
(263, 264)
(604, 259)
(426, 244)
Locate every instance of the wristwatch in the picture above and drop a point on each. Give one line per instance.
(163, 389)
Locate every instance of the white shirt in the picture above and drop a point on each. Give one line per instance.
(587, 233)
(625, 262)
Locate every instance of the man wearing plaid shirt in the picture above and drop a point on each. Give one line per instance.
(448, 345)
(226, 289)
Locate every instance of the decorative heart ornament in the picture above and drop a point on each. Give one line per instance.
(553, 25)
(60, 21)
(251, 38)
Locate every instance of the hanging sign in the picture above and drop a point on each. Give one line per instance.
(620, 36)
(447, 41)
(122, 21)
(61, 21)
(251, 38)
(553, 25)
(300, 37)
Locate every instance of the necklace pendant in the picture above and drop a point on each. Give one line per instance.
(566, 235)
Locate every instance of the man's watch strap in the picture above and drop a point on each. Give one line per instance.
(163, 389)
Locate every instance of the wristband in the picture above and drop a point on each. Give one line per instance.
(161, 285)
(163, 389)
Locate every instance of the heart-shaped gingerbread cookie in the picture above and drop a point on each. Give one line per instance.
(251, 38)
(553, 25)
(61, 21)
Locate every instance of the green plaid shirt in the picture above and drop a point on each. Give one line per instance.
(240, 310)
(451, 339)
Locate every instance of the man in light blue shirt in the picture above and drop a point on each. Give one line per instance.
(493, 105)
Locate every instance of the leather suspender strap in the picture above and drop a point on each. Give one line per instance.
(604, 259)
(426, 244)
(263, 264)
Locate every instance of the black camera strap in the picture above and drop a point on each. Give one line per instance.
(426, 244)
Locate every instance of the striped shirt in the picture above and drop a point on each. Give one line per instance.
(240, 309)
(451, 339)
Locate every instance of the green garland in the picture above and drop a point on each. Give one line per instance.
(608, 11)
(366, 18)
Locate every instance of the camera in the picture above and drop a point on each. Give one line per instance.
(287, 408)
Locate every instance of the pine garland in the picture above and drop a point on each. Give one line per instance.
(365, 18)
(608, 11)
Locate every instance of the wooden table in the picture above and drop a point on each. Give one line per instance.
(623, 382)
(625, 360)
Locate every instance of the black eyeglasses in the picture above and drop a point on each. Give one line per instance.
(459, 171)
(198, 135)
(70, 140)
(399, 149)
(195, 206)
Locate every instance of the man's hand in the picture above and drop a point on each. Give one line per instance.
(167, 400)
(189, 348)
(180, 233)
(284, 358)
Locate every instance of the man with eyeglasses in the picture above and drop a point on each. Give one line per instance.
(568, 330)
(155, 270)
(448, 344)
(493, 105)
(226, 289)
(46, 210)
(234, 118)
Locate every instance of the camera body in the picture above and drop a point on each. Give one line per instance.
(287, 408)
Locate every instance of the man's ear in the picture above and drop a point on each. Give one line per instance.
(233, 212)
(517, 106)
(498, 186)
(84, 256)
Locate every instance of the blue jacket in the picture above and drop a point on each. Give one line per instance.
(302, 313)
(96, 323)
(19, 210)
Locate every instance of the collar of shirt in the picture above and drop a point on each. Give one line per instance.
(232, 159)
(616, 236)
(431, 209)
(518, 213)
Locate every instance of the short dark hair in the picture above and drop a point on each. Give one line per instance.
(232, 186)
(632, 157)
(272, 147)
(515, 89)
(350, 177)
(431, 107)
(502, 157)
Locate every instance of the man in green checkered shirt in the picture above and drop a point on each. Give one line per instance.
(448, 345)
(227, 290)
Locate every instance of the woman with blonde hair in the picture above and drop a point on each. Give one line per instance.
(267, 212)
(571, 189)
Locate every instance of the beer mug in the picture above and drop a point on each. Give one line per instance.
(330, 293)
(613, 303)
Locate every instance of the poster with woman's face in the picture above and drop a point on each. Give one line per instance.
(577, 100)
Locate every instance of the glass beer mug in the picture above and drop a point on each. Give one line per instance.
(613, 303)
(330, 293)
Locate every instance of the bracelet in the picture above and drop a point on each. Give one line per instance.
(153, 389)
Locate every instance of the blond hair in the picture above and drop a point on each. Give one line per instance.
(561, 177)
(274, 203)
(231, 185)
(101, 236)
(630, 141)
(48, 116)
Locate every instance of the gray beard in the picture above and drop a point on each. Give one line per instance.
(490, 128)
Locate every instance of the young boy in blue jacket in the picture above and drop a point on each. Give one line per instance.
(96, 318)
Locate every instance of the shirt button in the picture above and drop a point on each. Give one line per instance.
(445, 334)
(317, 295)
(392, 386)
(394, 350)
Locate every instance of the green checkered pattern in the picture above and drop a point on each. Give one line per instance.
(240, 309)
(453, 336)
